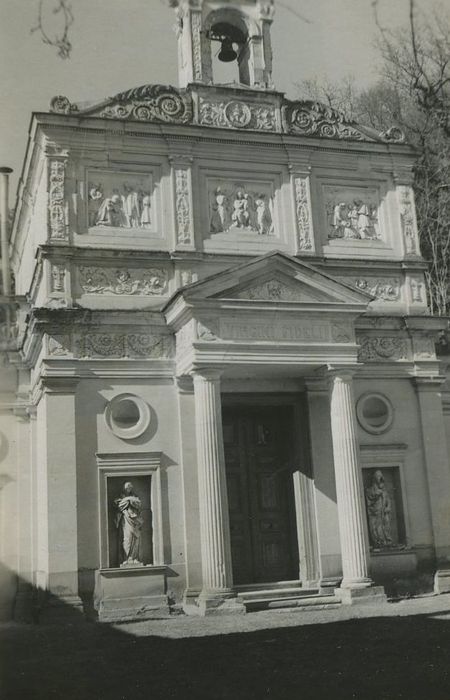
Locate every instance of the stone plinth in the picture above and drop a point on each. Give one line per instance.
(371, 595)
(393, 563)
(442, 581)
(130, 593)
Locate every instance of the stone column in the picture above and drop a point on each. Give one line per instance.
(213, 500)
(349, 492)
(438, 473)
(57, 499)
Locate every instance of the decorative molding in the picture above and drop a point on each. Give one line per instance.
(208, 329)
(188, 277)
(183, 206)
(237, 114)
(123, 345)
(381, 348)
(303, 213)
(196, 28)
(57, 209)
(383, 288)
(123, 282)
(59, 345)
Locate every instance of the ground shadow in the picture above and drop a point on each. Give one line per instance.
(382, 658)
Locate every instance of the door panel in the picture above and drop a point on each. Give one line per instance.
(258, 458)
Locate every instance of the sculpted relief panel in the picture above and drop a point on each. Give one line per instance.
(241, 206)
(237, 115)
(120, 200)
(352, 213)
(101, 280)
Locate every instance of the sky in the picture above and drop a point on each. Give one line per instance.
(119, 44)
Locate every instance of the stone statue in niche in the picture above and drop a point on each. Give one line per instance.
(379, 511)
(350, 217)
(237, 208)
(127, 205)
(129, 522)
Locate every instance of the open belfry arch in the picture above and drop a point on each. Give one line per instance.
(219, 387)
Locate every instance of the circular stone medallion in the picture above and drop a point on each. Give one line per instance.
(238, 114)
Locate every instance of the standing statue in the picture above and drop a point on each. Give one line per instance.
(219, 215)
(129, 522)
(379, 511)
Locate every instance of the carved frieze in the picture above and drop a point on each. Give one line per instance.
(237, 114)
(183, 206)
(57, 208)
(144, 282)
(302, 211)
(352, 213)
(188, 277)
(241, 206)
(208, 329)
(59, 345)
(120, 200)
(123, 345)
(382, 348)
(383, 288)
(196, 25)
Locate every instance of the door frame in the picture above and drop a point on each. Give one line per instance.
(303, 481)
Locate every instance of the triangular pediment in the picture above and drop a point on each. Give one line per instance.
(275, 278)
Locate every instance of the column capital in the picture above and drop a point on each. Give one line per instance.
(208, 373)
(185, 384)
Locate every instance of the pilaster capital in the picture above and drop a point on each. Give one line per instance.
(431, 384)
(316, 385)
(185, 384)
(59, 385)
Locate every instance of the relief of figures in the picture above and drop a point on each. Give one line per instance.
(379, 511)
(238, 208)
(127, 205)
(350, 217)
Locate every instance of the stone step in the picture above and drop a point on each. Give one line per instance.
(278, 593)
(299, 602)
(266, 586)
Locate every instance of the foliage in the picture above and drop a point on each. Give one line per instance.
(413, 92)
(60, 40)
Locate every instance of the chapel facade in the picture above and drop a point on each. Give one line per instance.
(219, 388)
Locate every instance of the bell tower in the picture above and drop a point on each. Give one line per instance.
(238, 29)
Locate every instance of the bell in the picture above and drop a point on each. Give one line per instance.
(227, 53)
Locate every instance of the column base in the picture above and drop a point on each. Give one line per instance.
(219, 604)
(327, 585)
(442, 581)
(62, 609)
(368, 595)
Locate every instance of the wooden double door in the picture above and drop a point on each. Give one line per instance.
(259, 467)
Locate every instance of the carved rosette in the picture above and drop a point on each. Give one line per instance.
(123, 345)
(237, 114)
(123, 282)
(382, 348)
(303, 213)
(183, 206)
(57, 210)
(382, 288)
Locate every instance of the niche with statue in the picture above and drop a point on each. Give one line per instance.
(130, 521)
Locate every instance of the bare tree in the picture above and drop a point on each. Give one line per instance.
(62, 11)
(413, 92)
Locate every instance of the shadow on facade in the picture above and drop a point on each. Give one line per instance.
(382, 657)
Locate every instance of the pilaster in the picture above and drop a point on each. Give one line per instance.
(437, 472)
(57, 497)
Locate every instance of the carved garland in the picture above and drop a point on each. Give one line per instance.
(124, 345)
(383, 288)
(381, 348)
(182, 205)
(57, 214)
(302, 213)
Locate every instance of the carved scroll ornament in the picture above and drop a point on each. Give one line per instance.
(97, 280)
